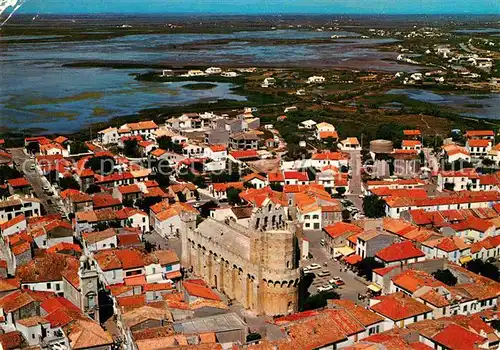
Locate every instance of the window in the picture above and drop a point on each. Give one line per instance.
(315, 216)
(465, 308)
(415, 319)
(308, 224)
(373, 330)
(91, 301)
(143, 219)
(48, 286)
(58, 287)
(306, 217)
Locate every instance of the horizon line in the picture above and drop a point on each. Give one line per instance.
(261, 14)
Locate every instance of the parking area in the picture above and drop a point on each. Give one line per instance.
(353, 286)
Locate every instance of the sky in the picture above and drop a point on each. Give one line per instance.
(263, 6)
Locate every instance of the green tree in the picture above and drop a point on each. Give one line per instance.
(253, 336)
(4, 192)
(331, 143)
(147, 202)
(33, 147)
(7, 173)
(165, 142)
(457, 165)
(484, 269)
(374, 206)
(341, 191)
(422, 157)
(392, 132)
(78, 147)
(487, 162)
(69, 182)
(319, 300)
(131, 148)
(445, 276)
(206, 207)
(275, 186)
(182, 197)
(102, 165)
(366, 266)
(233, 196)
(93, 189)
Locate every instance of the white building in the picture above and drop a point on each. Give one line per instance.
(213, 70)
(316, 79)
(350, 144)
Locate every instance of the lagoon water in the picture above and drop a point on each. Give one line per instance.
(490, 103)
(38, 92)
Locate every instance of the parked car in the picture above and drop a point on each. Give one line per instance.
(339, 282)
(313, 267)
(324, 273)
(325, 288)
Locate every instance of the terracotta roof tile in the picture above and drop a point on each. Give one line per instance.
(400, 251)
(200, 291)
(399, 306)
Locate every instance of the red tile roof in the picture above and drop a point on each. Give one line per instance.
(63, 246)
(129, 189)
(131, 239)
(218, 148)
(19, 182)
(473, 224)
(382, 271)
(197, 290)
(399, 306)
(327, 134)
(296, 175)
(104, 200)
(458, 338)
(410, 143)
(276, 177)
(11, 340)
(476, 133)
(353, 259)
(400, 251)
(18, 219)
(223, 187)
(244, 154)
(478, 143)
(330, 156)
(341, 228)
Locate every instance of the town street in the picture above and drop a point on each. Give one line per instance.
(353, 285)
(23, 164)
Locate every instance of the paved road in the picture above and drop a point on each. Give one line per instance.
(352, 286)
(35, 179)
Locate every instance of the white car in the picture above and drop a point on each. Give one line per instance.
(313, 267)
(324, 273)
(325, 288)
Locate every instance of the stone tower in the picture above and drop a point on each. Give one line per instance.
(89, 291)
(188, 225)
